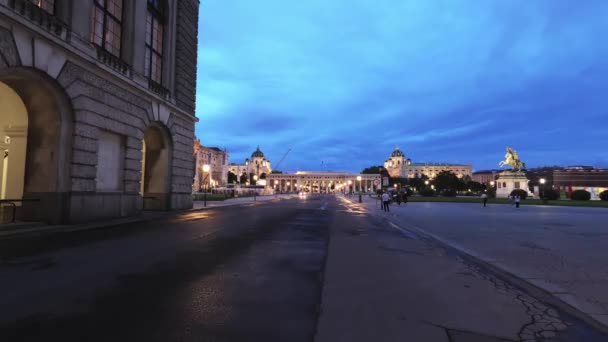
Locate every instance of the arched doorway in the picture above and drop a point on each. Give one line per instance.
(156, 168)
(36, 130)
(13, 143)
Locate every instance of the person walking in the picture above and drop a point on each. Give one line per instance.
(398, 198)
(484, 198)
(385, 199)
(405, 197)
(517, 200)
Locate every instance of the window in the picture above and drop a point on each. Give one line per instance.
(107, 25)
(154, 41)
(47, 5)
(110, 157)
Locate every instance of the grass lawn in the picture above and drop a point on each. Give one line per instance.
(569, 203)
(210, 197)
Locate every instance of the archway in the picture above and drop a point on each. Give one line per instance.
(156, 168)
(13, 143)
(36, 129)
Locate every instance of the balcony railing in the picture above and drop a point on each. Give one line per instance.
(40, 17)
(157, 88)
(113, 62)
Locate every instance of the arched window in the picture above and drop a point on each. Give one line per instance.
(107, 25)
(47, 5)
(154, 41)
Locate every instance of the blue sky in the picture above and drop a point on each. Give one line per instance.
(342, 82)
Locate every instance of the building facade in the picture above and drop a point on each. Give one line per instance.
(323, 182)
(485, 177)
(258, 165)
(211, 167)
(399, 166)
(97, 113)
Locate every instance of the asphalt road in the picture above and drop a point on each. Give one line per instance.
(320, 268)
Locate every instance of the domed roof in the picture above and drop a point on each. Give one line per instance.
(397, 152)
(257, 153)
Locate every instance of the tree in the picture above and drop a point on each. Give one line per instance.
(243, 178)
(232, 178)
(447, 180)
(418, 182)
(372, 170)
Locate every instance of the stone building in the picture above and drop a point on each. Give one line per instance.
(323, 182)
(258, 165)
(97, 106)
(211, 167)
(398, 165)
(485, 176)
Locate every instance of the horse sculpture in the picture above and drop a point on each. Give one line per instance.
(512, 159)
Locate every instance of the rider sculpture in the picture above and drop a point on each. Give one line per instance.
(512, 159)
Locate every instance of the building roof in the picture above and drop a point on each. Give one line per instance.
(397, 152)
(257, 153)
(437, 164)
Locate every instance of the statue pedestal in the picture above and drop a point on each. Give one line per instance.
(510, 180)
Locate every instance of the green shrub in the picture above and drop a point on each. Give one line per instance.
(551, 194)
(604, 195)
(581, 195)
(448, 193)
(523, 194)
(427, 192)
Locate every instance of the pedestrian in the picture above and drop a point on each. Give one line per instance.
(517, 199)
(484, 198)
(398, 198)
(404, 197)
(385, 199)
(512, 200)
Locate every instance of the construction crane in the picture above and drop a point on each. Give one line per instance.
(276, 167)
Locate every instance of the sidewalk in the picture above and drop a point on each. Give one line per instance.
(23, 229)
(558, 250)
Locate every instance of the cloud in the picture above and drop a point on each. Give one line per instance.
(344, 81)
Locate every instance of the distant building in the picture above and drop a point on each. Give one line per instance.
(485, 177)
(216, 160)
(258, 165)
(400, 166)
(323, 182)
(568, 179)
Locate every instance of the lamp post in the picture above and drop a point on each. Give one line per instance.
(349, 189)
(288, 183)
(542, 188)
(205, 170)
(255, 190)
(359, 180)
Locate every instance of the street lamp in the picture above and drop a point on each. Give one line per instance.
(426, 182)
(542, 188)
(205, 170)
(350, 182)
(288, 186)
(255, 179)
(359, 180)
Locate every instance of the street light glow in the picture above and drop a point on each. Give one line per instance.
(206, 168)
(359, 178)
(543, 181)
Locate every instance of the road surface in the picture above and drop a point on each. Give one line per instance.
(314, 269)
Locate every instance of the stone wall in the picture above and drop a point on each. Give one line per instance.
(186, 49)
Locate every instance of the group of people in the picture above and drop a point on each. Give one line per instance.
(386, 198)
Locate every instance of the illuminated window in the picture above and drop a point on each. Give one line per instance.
(154, 41)
(107, 25)
(47, 5)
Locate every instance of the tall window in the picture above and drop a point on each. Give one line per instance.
(107, 25)
(47, 5)
(154, 41)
